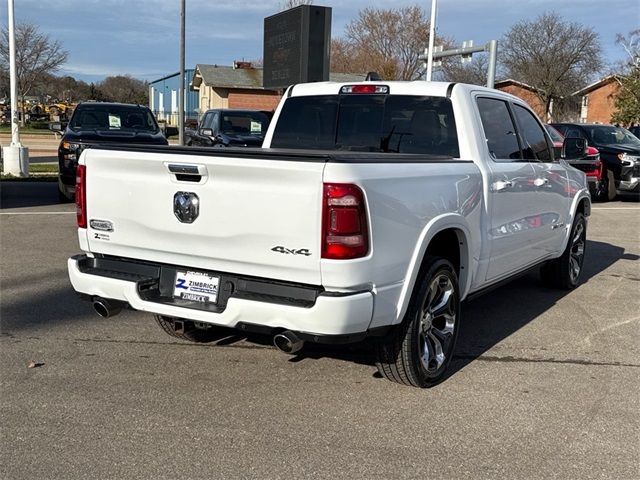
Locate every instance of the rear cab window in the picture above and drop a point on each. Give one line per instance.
(368, 123)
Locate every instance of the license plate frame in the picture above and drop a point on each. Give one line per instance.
(200, 287)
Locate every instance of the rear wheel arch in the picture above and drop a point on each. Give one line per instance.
(584, 207)
(451, 243)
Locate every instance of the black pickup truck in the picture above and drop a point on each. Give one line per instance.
(96, 123)
(229, 128)
(619, 153)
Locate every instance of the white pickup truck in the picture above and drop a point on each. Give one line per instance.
(372, 210)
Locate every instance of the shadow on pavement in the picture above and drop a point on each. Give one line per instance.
(487, 320)
(20, 193)
(493, 317)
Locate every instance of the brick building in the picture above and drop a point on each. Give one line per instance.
(598, 100)
(523, 91)
(240, 86)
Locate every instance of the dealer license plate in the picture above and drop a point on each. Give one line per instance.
(196, 286)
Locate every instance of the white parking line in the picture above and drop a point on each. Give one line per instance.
(615, 208)
(37, 213)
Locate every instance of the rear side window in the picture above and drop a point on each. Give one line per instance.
(243, 123)
(368, 123)
(499, 129)
(534, 143)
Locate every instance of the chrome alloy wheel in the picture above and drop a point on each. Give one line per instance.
(437, 323)
(576, 255)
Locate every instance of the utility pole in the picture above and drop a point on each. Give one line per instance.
(15, 156)
(181, 88)
(465, 52)
(492, 48)
(432, 37)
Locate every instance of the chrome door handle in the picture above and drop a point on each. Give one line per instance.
(501, 185)
(540, 182)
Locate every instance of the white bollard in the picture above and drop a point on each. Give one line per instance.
(15, 160)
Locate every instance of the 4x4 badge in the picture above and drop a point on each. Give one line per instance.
(291, 251)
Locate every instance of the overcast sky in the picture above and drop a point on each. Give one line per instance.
(141, 37)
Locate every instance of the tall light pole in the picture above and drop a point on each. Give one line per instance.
(181, 88)
(15, 156)
(432, 37)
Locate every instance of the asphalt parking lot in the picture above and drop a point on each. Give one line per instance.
(545, 384)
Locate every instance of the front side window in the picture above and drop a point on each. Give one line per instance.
(534, 143)
(206, 121)
(499, 129)
(368, 123)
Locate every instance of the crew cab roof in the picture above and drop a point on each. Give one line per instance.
(416, 87)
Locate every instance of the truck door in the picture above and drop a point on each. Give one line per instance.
(511, 195)
(551, 182)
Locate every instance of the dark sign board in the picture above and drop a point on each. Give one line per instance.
(296, 46)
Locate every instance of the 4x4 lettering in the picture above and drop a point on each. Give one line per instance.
(291, 251)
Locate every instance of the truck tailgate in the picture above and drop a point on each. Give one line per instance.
(257, 217)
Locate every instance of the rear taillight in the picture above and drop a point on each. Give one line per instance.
(81, 195)
(595, 170)
(344, 222)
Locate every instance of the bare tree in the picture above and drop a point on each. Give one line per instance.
(4, 84)
(346, 58)
(631, 45)
(474, 72)
(628, 97)
(555, 56)
(387, 41)
(287, 4)
(125, 89)
(36, 56)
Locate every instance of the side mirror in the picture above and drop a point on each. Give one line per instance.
(207, 132)
(55, 126)
(574, 148)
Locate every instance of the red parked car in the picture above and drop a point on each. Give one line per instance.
(590, 165)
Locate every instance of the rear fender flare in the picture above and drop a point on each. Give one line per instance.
(582, 195)
(435, 226)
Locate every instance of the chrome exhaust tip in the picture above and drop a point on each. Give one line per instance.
(107, 308)
(288, 342)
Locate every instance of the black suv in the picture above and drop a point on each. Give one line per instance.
(230, 128)
(96, 123)
(619, 153)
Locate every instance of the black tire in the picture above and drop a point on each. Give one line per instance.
(564, 271)
(409, 353)
(187, 329)
(606, 191)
